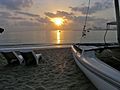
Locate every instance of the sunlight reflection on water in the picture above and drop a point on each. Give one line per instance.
(58, 36)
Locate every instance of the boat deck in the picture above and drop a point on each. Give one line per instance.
(110, 57)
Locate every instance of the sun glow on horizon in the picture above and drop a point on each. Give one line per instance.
(58, 21)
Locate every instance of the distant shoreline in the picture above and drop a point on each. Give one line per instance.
(45, 46)
(32, 46)
(102, 29)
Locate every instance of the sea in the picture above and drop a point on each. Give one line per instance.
(56, 37)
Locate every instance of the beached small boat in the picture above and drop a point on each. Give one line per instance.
(103, 76)
(101, 62)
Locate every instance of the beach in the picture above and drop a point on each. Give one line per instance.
(56, 71)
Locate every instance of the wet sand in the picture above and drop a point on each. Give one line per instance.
(56, 71)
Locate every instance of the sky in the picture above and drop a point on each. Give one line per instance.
(35, 14)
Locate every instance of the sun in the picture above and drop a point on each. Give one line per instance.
(58, 21)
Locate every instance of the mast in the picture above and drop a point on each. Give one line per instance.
(116, 2)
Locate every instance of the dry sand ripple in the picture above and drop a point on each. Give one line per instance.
(56, 71)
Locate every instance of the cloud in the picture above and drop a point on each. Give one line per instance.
(34, 17)
(16, 21)
(28, 23)
(43, 20)
(4, 14)
(16, 4)
(17, 17)
(58, 14)
(77, 22)
(27, 14)
(97, 6)
(92, 20)
(9, 16)
(68, 16)
(73, 21)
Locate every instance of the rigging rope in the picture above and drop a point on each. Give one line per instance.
(107, 27)
(86, 18)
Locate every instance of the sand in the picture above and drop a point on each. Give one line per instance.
(56, 71)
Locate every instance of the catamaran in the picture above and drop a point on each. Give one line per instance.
(101, 62)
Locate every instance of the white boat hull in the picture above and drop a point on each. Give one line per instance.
(98, 78)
